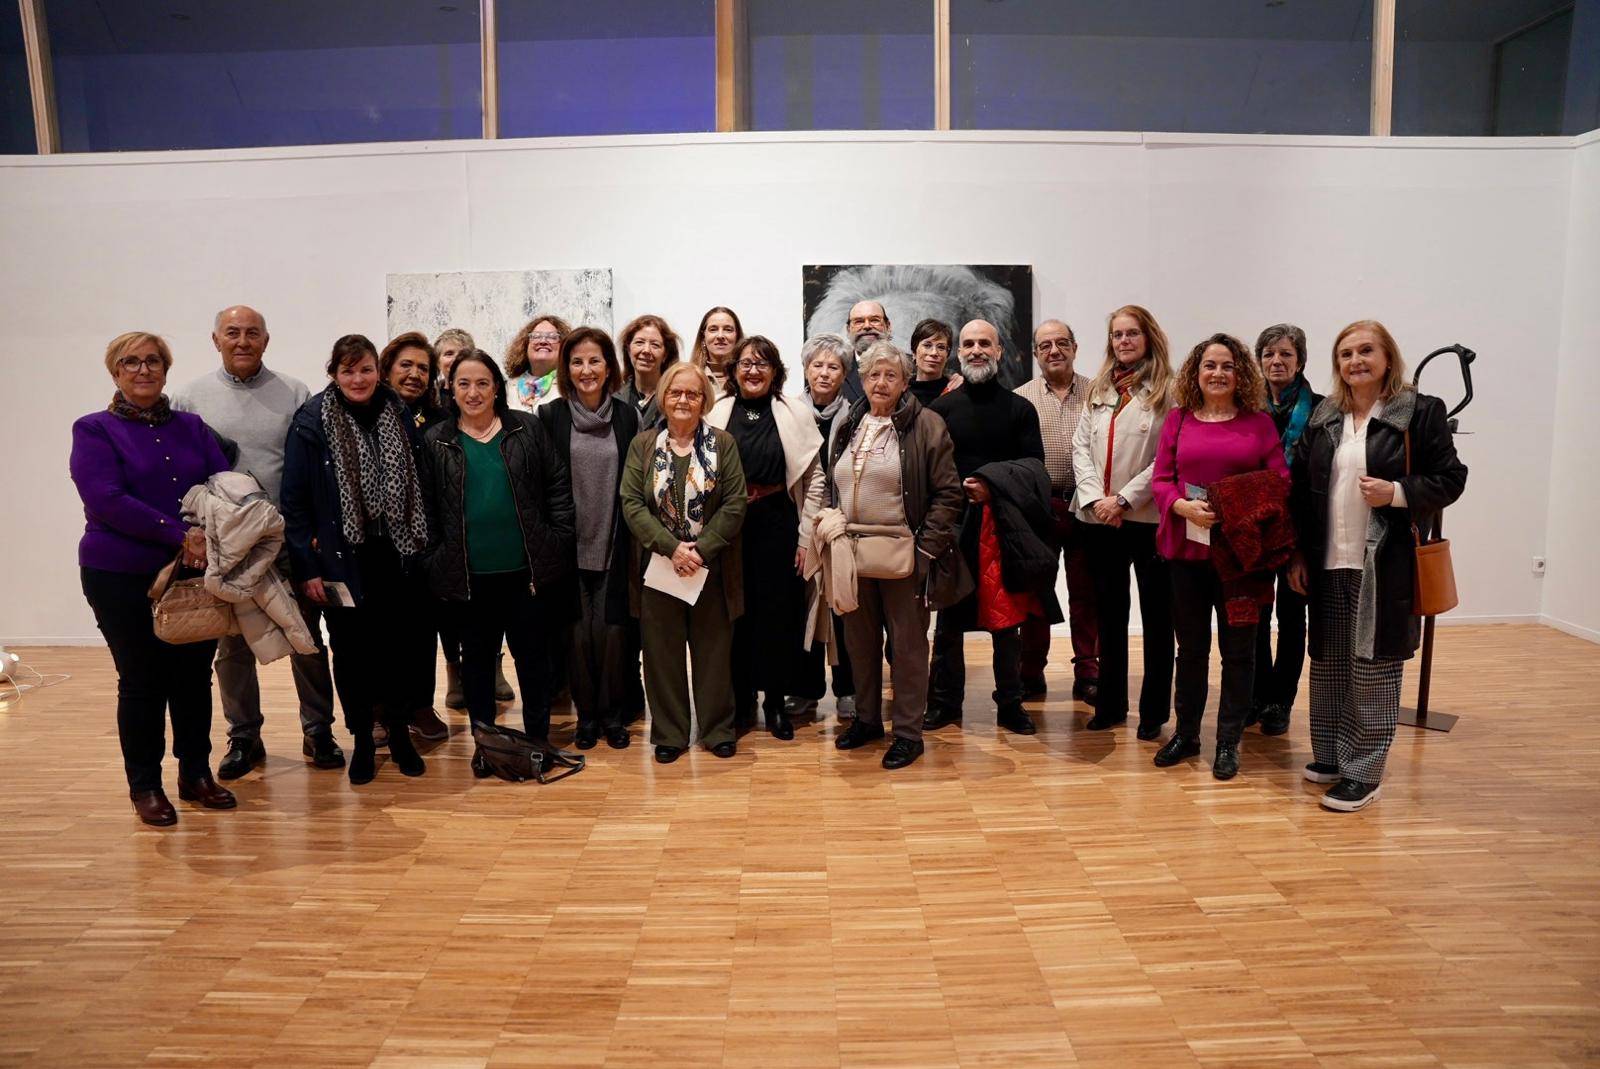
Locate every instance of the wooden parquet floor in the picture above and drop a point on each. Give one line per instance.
(1045, 901)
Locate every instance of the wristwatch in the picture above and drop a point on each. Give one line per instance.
(1122, 503)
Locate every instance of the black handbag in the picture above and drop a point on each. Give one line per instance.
(516, 757)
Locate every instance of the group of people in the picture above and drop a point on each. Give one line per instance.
(612, 513)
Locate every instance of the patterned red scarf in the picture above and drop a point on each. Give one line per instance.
(1123, 379)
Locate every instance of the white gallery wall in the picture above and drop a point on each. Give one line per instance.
(1490, 243)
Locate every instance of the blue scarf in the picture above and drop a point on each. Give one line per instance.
(1291, 413)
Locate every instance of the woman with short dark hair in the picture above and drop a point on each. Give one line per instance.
(502, 554)
(779, 448)
(1281, 352)
(591, 428)
(355, 523)
(931, 342)
(132, 464)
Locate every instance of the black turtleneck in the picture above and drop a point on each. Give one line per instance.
(928, 390)
(988, 423)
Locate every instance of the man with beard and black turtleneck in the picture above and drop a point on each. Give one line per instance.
(988, 424)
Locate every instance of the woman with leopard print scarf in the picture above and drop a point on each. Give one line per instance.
(355, 523)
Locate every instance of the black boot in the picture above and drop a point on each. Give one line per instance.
(778, 723)
(363, 756)
(403, 751)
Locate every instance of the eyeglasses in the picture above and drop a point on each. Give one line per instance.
(753, 365)
(1065, 345)
(132, 364)
(869, 321)
(684, 395)
(544, 335)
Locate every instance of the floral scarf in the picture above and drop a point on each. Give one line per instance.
(155, 415)
(376, 473)
(682, 509)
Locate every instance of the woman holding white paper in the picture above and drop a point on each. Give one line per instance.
(683, 497)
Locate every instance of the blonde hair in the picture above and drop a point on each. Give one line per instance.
(1154, 371)
(1249, 388)
(672, 372)
(122, 343)
(457, 335)
(1394, 378)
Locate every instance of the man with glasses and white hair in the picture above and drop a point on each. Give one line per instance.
(1057, 395)
(251, 406)
(996, 435)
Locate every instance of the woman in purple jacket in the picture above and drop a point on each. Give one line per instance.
(1215, 428)
(132, 464)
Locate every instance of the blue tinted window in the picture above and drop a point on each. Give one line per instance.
(834, 65)
(1208, 66)
(237, 73)
(607, 67)
(1515, 67)
(16, 105)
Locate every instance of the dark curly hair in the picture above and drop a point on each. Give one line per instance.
(1249, 388)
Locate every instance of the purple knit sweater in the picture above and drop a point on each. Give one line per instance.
(1201, 454)
(132, 478)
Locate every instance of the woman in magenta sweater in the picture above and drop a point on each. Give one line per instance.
(1216, 428)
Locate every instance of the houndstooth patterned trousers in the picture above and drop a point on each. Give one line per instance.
(1355, 703)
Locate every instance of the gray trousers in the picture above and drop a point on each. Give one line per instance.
(1355, 703)
(892, 604)
(241, 690)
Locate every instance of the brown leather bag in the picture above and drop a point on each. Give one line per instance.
(1434, 590)
(184, 611)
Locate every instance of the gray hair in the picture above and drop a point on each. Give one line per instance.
(457, 335)
(828, 344)
(1278, 332)
(216, 320)
(880, 351)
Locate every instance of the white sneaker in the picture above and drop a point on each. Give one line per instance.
(1322, 773)
(1347, 795)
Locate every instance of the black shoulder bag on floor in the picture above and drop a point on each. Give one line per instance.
(516, 757)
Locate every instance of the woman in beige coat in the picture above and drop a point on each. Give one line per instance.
(1113, 455)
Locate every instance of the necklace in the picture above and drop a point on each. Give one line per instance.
(484, 436)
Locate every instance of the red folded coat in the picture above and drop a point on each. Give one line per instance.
(1251, 540)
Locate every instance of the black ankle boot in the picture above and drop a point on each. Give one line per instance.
(778, 723)
(404, 752)
(363, 757)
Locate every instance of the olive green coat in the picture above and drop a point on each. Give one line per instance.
(718, 544)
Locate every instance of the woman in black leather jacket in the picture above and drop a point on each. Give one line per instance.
(1376, 459)
(501, 508)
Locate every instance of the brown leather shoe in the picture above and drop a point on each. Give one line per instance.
(207, 792)
(153, 807)
(428, 726)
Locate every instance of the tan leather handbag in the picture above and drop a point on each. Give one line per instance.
(184, 611)
(1434, 590)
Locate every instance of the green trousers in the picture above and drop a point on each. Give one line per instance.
(668, 626)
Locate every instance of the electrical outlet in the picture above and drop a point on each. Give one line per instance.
(1538, 566)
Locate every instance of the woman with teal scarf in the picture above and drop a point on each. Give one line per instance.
(1281, 351)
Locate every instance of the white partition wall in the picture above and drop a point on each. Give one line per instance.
(1490, 243)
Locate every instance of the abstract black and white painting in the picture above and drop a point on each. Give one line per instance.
(909, 293)
(493, 305)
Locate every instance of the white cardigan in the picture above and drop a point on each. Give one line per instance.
(802, 446)
(1133, 459)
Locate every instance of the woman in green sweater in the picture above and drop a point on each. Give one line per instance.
(683, 498)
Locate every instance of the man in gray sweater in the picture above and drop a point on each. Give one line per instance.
(251, 406)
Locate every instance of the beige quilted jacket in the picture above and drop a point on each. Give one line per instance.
(244, 535)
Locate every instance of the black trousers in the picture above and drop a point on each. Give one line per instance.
(153, 680)
(947, 675)
(813, 682)
(503, 607)
(1278, 679)
(368, 640)
(1111, 551)
(1196, 599)
(595, 674)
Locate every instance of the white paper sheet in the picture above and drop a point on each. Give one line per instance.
(660, 575)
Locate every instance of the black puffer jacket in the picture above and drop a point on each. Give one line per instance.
(540, 488)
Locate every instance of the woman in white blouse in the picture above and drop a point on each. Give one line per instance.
(1376, 462)
(1113, 453)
